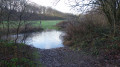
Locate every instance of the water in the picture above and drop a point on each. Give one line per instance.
(44, 40)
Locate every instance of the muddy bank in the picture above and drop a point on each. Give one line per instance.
(65, 57)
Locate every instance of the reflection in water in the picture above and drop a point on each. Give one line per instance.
(45, 39)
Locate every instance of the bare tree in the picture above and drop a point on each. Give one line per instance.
(111, 9)
(1, 14)
(22, 5)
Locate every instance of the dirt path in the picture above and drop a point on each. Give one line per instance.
(64, 57)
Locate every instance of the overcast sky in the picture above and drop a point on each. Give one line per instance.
(61, 6)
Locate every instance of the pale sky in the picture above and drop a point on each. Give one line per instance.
(61, 6)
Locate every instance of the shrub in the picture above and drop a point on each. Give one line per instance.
(62, 24)
(17, 55)
(89, 35)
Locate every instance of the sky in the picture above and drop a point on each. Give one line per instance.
(60, 6)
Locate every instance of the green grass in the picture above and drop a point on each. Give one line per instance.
(47, 24)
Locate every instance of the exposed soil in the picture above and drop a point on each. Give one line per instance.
(65, 57)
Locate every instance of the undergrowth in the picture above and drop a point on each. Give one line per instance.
(17, 55)
(94, 39)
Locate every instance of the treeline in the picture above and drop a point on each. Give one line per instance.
(16, 16)
(28, 11)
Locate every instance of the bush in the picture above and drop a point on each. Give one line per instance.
(91, 36)
(17, 55)
(62, 24)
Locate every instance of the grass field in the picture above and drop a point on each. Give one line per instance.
(46, 24)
